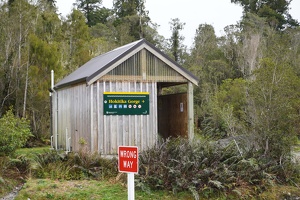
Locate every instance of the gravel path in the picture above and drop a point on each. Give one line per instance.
(13, 194)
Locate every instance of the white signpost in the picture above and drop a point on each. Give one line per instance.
(128, 158)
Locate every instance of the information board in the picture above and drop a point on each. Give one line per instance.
(126, 103)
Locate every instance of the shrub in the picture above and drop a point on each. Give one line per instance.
(208, 168)
(73, 166)
(14, 133)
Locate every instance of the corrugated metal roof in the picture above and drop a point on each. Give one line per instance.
(95, 66)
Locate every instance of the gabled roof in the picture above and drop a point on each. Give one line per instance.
(102, 64)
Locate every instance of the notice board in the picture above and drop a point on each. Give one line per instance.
(126, 103)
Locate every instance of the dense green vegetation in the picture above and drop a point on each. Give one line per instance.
(173, 169)
(14, 133)
(249, 90)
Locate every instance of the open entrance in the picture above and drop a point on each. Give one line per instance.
(172, 114)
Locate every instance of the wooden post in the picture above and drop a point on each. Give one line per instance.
(190, 111)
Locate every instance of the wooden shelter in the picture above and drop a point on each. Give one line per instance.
(115, 99)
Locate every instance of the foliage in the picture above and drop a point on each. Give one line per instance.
(14, 133)
(227, 110)
(131, 18)
(92, 11)
(276, 12)
(275, 96)
(208, 168)
(176, 41)
(74, 166)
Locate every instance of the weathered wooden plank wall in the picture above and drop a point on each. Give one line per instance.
(80, 112)
(72, 115)
(130, 130)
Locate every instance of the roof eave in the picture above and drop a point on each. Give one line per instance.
(82, 80)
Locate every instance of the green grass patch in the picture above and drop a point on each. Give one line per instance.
(29, 152)
(281, 192)
(41, 189)
(297, 146)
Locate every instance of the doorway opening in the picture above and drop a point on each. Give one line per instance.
(172, 111)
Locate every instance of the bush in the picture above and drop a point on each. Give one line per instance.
(14, 133)
(73, 166)
(208, 168)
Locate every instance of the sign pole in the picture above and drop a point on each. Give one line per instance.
(128, 161)
(130, 185)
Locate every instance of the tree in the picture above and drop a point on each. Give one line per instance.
(208, 62)
(17, 21)
(44, 57)
(275, 11)
(124, 8)
(77, 37)
(176, 41)
(131, 19)
(93, 11)
(273, 108)
(245, 44)
(227, 109)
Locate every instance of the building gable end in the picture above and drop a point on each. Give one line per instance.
(130, 67)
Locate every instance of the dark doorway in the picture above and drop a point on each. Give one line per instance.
(172, 115)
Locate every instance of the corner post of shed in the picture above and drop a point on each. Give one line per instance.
(190, 98)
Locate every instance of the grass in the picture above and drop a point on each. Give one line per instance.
(297, 147)
(29, 152)
(281, 192)
(44, 189)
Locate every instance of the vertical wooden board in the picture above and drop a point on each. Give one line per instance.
(142, 134)
(92, 119)
(78, 115)
(57, 118)
(136, 88)
(110, 125)
(86, 120)
(146, 122)
(155, 119)
(75, 144)
(118, 123)
(100, 116)
(124, 122)
(114, 134)
(190, 99)
(104, 125)
(59, 124)
(131, 120)
(95, 107)
(75, 119)
(53, 119)
(130, 129)
(62, 121)
(68, 120)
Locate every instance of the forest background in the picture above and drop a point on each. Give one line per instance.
(249, 77)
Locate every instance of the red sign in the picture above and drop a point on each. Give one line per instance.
(128, 159)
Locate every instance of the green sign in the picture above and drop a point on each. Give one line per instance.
(126, 103)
